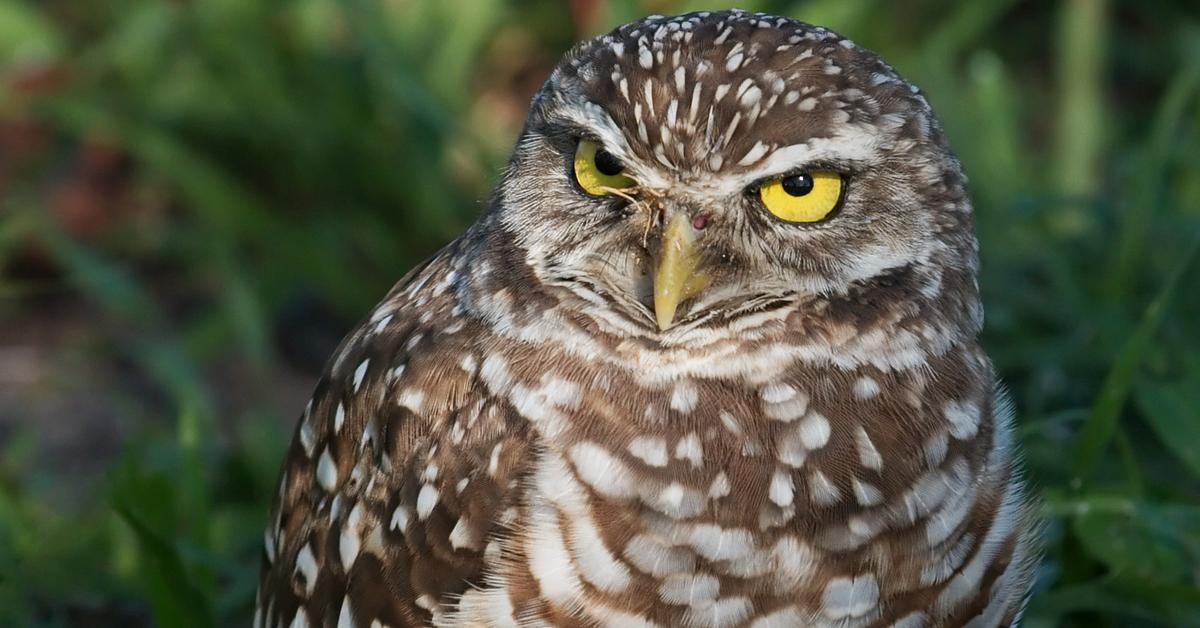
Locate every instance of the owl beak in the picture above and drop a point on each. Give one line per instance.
(676, 279)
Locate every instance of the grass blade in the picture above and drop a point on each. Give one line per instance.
(1101, 424)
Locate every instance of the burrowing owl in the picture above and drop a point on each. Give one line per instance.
(708, 359)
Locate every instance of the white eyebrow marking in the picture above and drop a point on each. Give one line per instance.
(852, 143)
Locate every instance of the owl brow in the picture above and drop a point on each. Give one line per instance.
(846, 167)
(590, 120)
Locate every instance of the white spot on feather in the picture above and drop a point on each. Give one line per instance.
(597, 565)
(781, 489)
(755, 153)
(823, 491)
(689, 589)
(460, 536)
(400, 518)
(650, 449)
(865, 493)
(602, 471)
(426, 500)
(650, 556)
(688, 448)
(719, 487)
(339, 416)
(346, 614)
(300, 620)
(868, 455)
(349, 541)
(865, 388)
(846, 597)
(306, 566)
(411, 398)
(963, 417)
(777, 392)
(327, 472)
(786, 617)
(814, 430)
(684, 396)
(360, 373)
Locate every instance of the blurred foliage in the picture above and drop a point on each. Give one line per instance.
(220, 188)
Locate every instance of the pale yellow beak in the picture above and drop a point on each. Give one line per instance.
(677, 278)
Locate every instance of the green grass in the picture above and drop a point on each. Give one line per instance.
(286, 157)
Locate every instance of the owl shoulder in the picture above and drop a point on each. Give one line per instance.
(401, 469)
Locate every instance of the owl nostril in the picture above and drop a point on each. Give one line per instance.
(700, 222)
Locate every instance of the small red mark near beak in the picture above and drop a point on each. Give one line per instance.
(700, 222)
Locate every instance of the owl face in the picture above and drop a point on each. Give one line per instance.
(685, 168)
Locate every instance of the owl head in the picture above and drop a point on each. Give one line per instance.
(683, 170)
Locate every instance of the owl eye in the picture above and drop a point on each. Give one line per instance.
(802, 197)
(598, 170)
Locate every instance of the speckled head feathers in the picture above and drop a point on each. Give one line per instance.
(700, 109)
(722, 92)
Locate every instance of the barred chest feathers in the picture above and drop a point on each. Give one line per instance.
(742, 482)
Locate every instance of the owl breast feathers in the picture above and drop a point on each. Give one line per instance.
(708, 359)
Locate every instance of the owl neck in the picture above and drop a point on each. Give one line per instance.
(893, 320)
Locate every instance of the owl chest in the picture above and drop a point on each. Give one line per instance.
(682, 488)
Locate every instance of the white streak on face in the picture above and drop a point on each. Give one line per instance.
(754, 154)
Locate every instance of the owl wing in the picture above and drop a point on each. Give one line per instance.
(400, 470)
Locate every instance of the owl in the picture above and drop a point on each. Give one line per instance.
(709, 358)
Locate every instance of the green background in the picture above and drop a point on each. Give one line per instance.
(197, 199)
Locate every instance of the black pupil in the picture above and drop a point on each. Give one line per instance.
(607, 164)
(798, 184)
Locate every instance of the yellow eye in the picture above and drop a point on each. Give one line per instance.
(597, 169)
(803, 197)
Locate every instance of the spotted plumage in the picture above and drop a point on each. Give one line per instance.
(662, 404)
